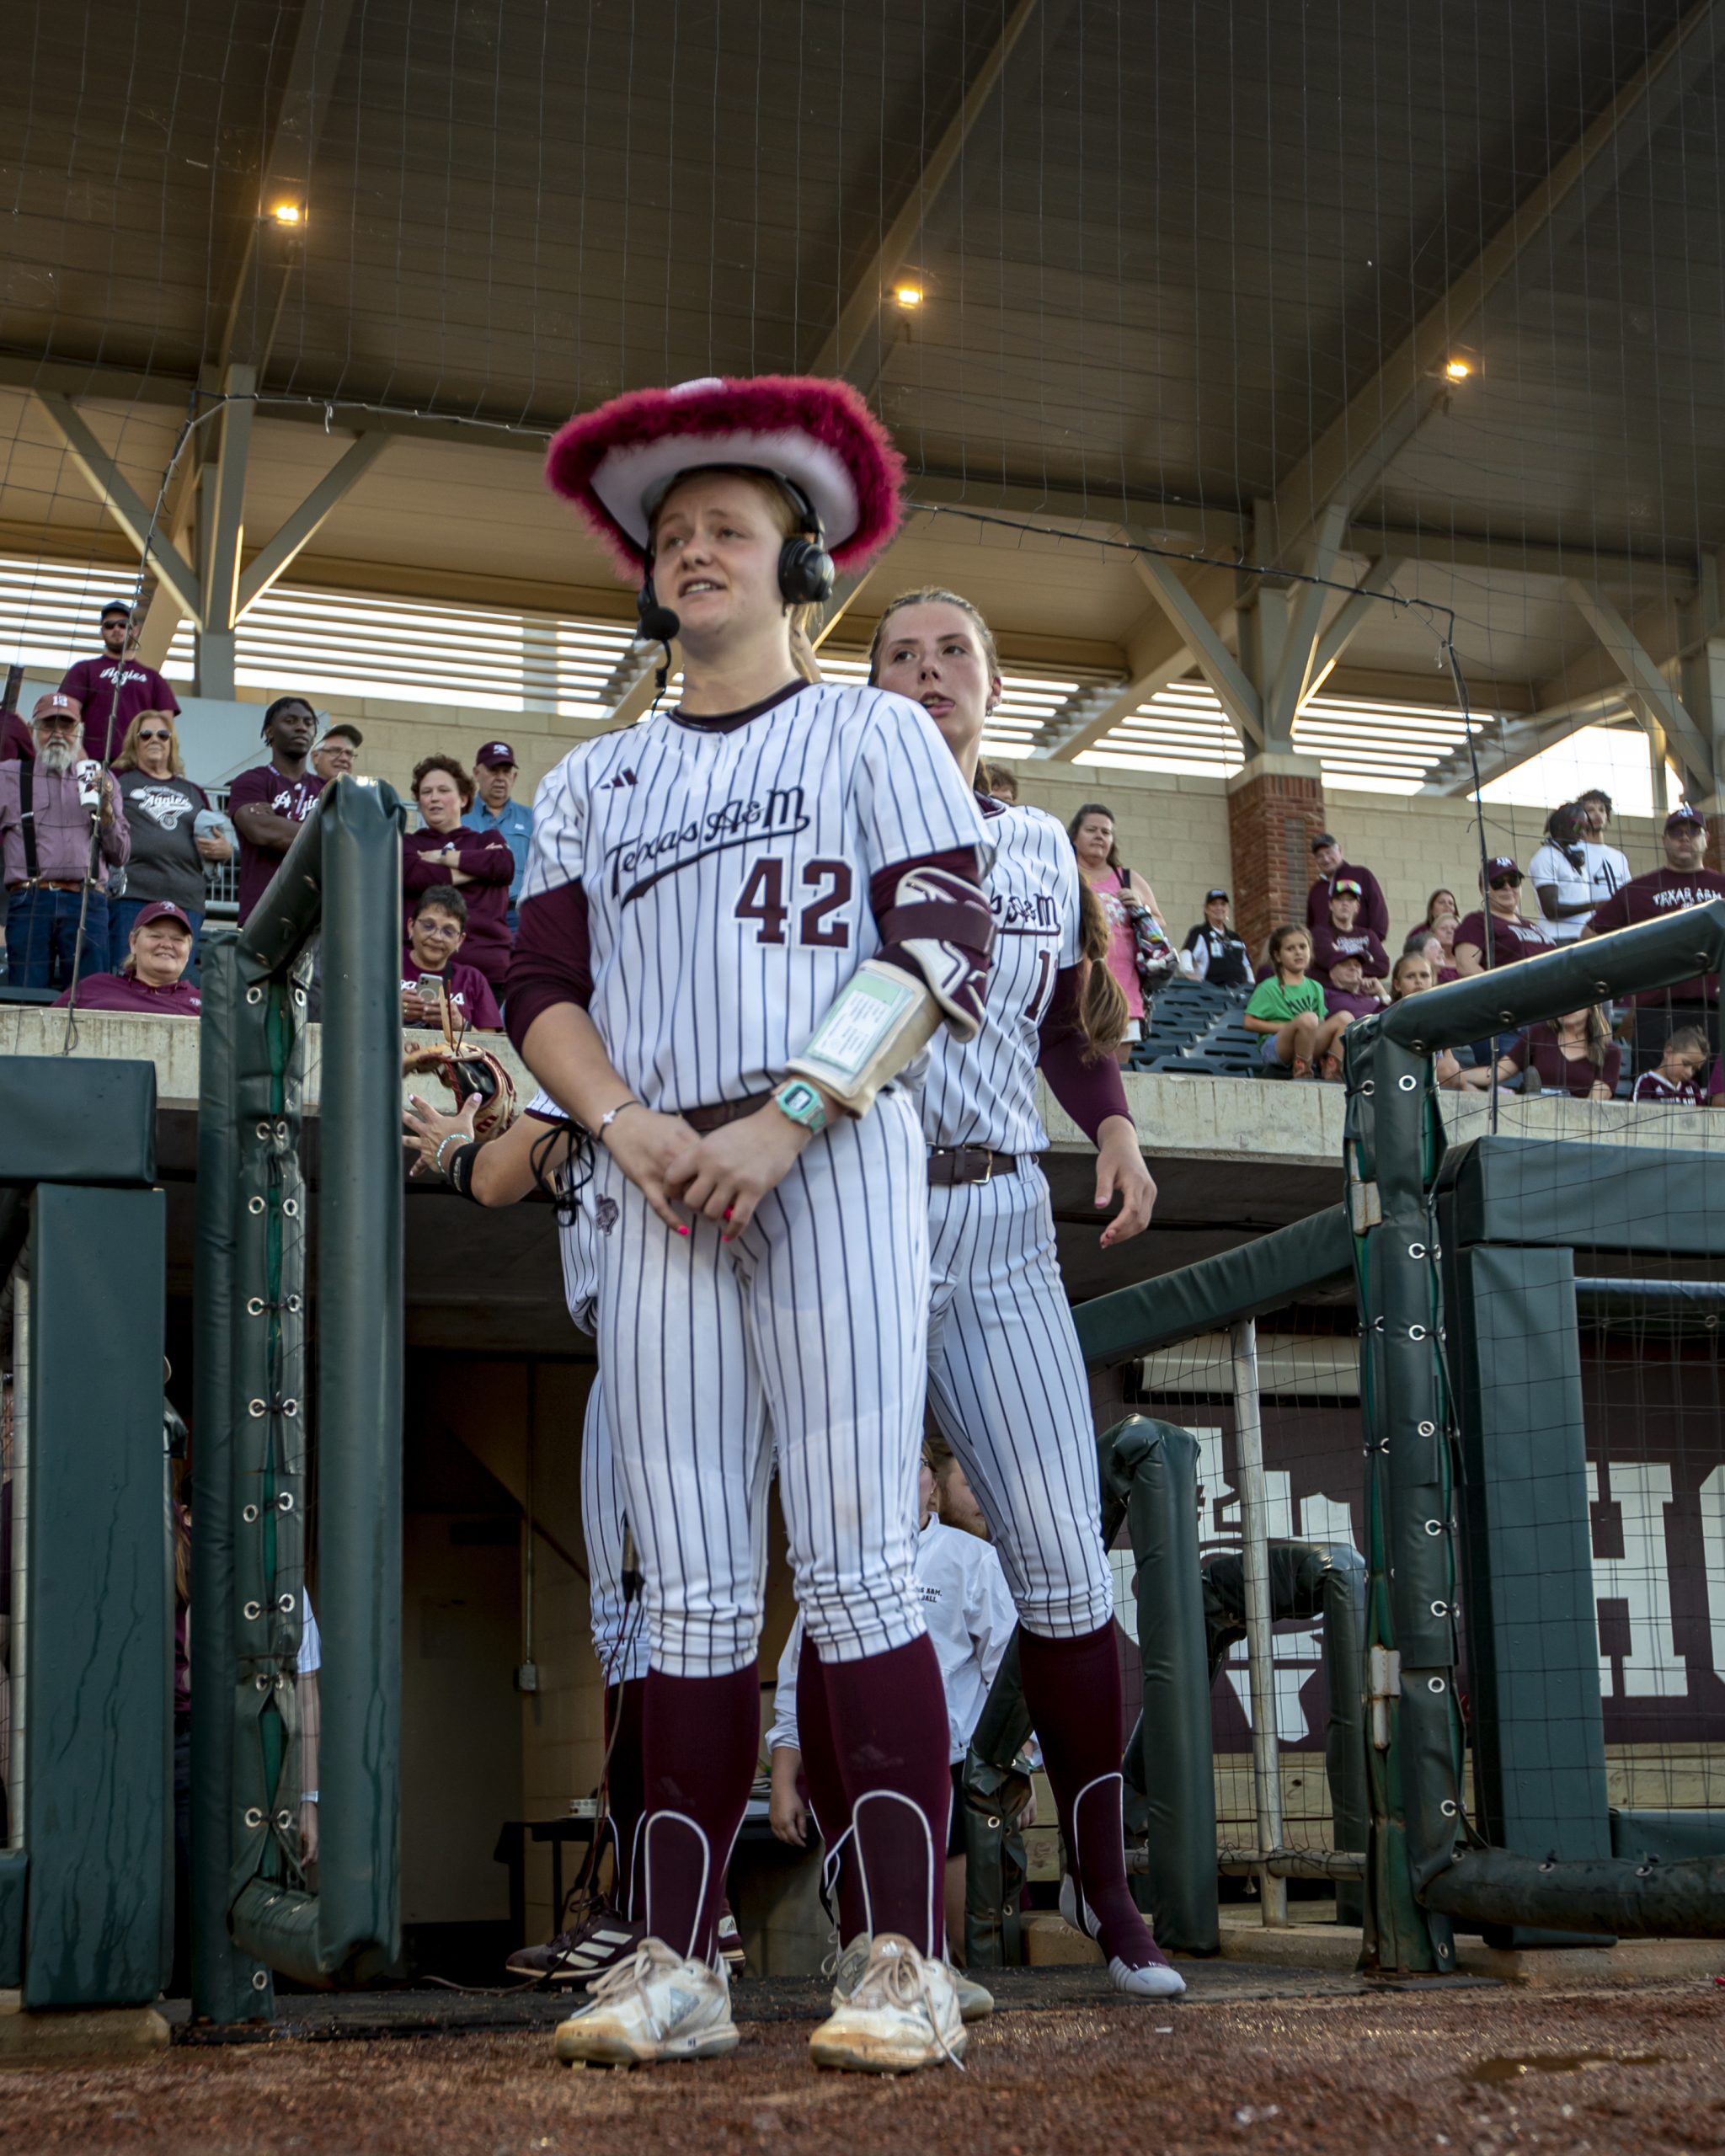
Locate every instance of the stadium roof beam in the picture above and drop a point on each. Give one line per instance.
(303, 526)
(1518, 741)
(860, 310)
(1351, 617)
(1239, 697)
(1653, 695)
(1353, 452)
(1157, 653)
(114, 490)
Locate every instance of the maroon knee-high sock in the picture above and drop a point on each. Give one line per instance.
(625, 1783)
(1072, 1688)
(888, 1715)
(702, 1736)
(826, 1790)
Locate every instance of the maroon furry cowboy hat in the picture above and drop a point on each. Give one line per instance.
(616, 463)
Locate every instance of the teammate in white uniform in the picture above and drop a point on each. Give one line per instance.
(1007, 1381)
(771, 879)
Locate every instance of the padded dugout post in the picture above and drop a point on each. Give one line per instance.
(253, 1911)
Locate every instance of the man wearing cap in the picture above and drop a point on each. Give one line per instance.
(1331, 869)
(151, 981)
(337, 752)
(269, 803)
(1216, 952)
(1682, 882)
(495, 773)
(113, 689)
(49, 809)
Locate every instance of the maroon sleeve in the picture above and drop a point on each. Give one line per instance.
(75, 682)
(1317, 906)
(552, 962)
(1376, 912)
(486, 860)
(481, 1004)
(1323, 951)
(253, 786)
(417, 873)
(956, 914)
(1089, 1092)
(1380, 966)
(1614, 913)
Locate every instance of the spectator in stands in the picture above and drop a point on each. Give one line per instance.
(269, 803)
(152, 979)
(1349, 988)
(1121, 891)
(435, 933)
(168, 853)
(968, 1608)
(1513, 935)
(1428, 945)
(50, 809)
(1683, 882)
(494, 774)
(1000, 783)
(1332, 869)
(480, 863)
(112, 689)
(1678, 1076)
(1443, 917)
(1216, 951)
(1559, 871)
(1288, 1009)
(1412, 973)
(1607, 869)
(337, 752)
(1576, 1056)
(1343, 935)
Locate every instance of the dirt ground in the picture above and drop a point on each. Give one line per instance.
(1475, 2071)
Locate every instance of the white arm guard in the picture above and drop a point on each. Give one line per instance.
(879, 1020)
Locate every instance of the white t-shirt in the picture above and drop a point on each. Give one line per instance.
(968, 1608)
(1607, 870)
(1552, 865)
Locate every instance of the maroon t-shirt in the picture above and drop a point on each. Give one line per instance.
(17, 744)
(1328, 944)
(1651, 897)
(1510, 939)
(141, 688)
(264, 786)
(123, 992)
(467, 990)
(1559, 1072)
(489, 859)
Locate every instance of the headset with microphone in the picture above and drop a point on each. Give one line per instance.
(805, 569)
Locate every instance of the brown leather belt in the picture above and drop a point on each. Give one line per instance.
(722, 1112)
(951, 1165)
(46, 883)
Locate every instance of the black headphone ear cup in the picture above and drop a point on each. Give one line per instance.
(805, 572)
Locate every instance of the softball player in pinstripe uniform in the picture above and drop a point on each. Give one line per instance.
(740, 922)
(1007, 1381)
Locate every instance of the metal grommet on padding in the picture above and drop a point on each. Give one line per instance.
(1427, 1429)
(1439, 1610)
(1370, 1086)
(254, 1818)
(1419, 1047)
(1407, 1083)
(248, 1514)
(290, 1408)
(291, 1206)
(254, 1306)
(254, 1206)
(254, 996)
(257, 1408)
(1435, 1685)
(1416, 1332)
(284, 1602)
(262, 1129)
(1416, 1250)
(284, 1817)
(260, 1980)
(293, 1305)
(284, 1503)
(1434, 1527)
(251, 1611)
(1449, 1807)
(261, 1681)
(1377, 1325)
(281, 1129)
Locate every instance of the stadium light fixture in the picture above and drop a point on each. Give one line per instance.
(908, 296)
(288, 213)
(1458, 369)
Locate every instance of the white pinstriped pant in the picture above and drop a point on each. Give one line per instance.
(1006, 1383)
(812, 1324)
(619, 1634)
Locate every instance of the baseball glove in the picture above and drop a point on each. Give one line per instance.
(465, 1073)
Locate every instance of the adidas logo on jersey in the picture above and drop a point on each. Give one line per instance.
(624, 777)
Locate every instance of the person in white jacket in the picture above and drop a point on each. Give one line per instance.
(968, 1608)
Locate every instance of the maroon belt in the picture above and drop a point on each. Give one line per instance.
(722, 1112)
(951, 1165)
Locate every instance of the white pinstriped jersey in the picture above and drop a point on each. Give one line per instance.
(574, 1237)
(983, 1093)
(726, 875)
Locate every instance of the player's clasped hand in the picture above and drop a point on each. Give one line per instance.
(645, 1145)
(1120, 1173)
(725, 1175)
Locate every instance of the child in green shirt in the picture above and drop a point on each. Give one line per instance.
(1289, 1011)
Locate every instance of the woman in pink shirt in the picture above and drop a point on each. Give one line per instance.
(1120, 892)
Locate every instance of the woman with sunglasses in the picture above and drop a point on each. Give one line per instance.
(168, 852)
(1513, 936)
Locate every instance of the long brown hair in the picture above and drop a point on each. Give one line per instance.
(1102, 1002)
(1599, 1035)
